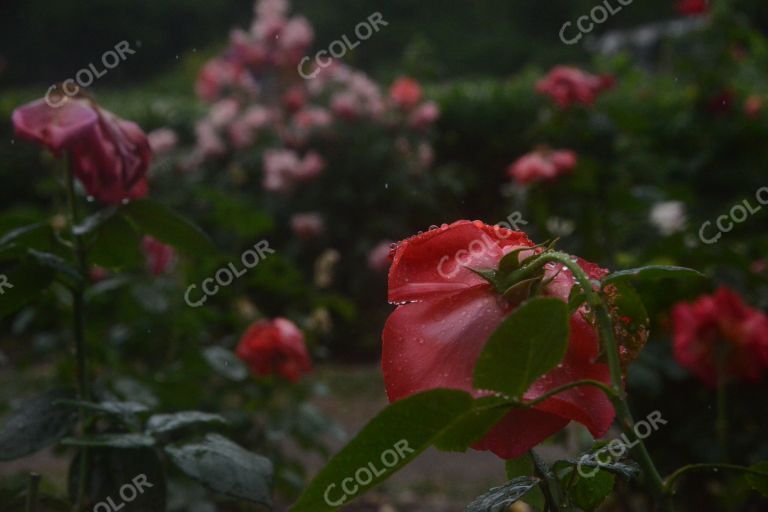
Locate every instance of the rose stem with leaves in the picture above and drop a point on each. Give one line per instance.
(78, 309)
(618, 397)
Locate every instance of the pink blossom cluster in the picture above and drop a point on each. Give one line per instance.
(542, 165)
(568, 86)
(259, 100)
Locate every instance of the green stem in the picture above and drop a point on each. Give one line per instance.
(32, 486)
(671, 479)
(575, 384)
(78, 309)
(541, 470)
(618, 398)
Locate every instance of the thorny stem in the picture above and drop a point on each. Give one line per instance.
(618, 398)
(78, 309)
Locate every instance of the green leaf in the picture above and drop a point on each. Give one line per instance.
(127, 441)
(759, 482)
(116, 244)
(226, 363)
(629, 317)
(589, 493)
(162, 423)
(527, 344)
(226, 468)
(37, 235)
(473, 425)
(521, 466)
(38, 423)
(127, 411)
(524, 466)
(627, 469)
(653, 272)
(388, 442)
(69, 274)
(95, 221)
(115, 469)
(500, 498)
(168, 226)
(22, 284)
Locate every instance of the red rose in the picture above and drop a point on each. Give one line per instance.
(721, 325)
(405, 93)
(568, 85)
(109, 155)
(691, 7)
(542, 165)
(447, 312)
(276, 346)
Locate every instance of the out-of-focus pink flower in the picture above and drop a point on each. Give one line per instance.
(109, 155)
(758, 266)
(215, 76)
(296, 35)
(223, 112)
(344, 105)
(307, 225)
(283, 168)
(271, 8)
(208, 141)
(162, 140)
(721, 328)
(258, 117)
(691, 7)
(542, 165)
(405, 93)
(275, 347)
(294, 98)
(378, 257)
(245, 50)
(313, 117)
(425, 115)
(160, 257)
(753, 106)
(279, 167)
(311, 166)
(568, 85)
(267, 29)
(426, 155)
(243, 131)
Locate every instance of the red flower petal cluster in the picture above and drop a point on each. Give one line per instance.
(691, 7)
(275, 347)
(717, 326)
(568, 85)
(109, 155)
(447, 312)
(542, 165)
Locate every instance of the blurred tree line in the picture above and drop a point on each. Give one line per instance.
(42, 42)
